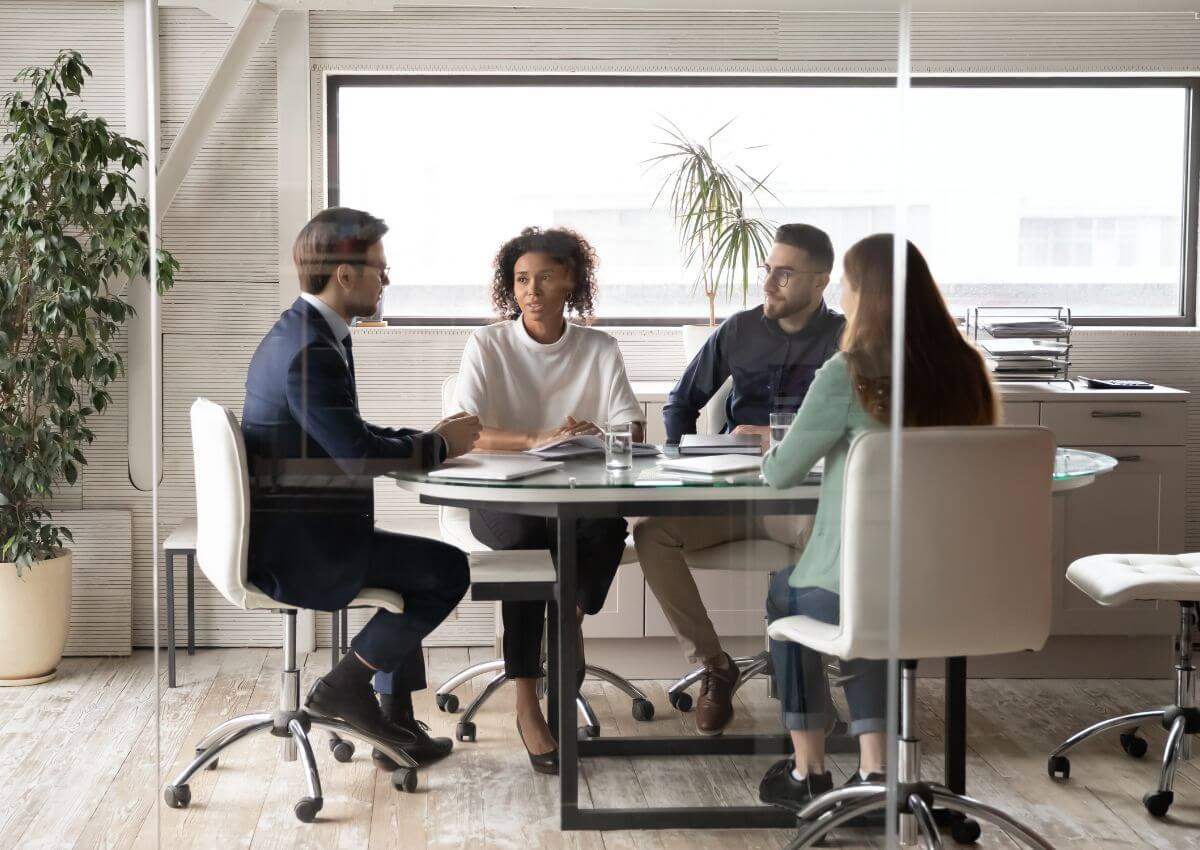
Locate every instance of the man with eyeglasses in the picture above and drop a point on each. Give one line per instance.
(313, 541)
(770, 354)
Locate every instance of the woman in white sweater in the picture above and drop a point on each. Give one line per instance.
(531, 377)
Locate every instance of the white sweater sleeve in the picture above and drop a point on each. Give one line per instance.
(623, 405)
(470, 395)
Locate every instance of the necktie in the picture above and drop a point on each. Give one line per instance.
(350, 362)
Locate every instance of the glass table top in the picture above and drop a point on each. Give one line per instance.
(589, 472)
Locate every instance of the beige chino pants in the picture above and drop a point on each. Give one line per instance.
(662, 547)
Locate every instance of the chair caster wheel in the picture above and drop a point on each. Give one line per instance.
(1059, 767)
(177, 796)
(465, 731)
(584, 732)
(306, 810)
(404, 779)
(681, 701)
(965, 830)
(447, 703)
(1157, 802)
(342, 750)
(643, 709)
(1132, 744)
(212, 765)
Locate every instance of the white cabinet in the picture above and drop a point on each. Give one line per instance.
(1138, 507)
(624, 608)
(736, 602)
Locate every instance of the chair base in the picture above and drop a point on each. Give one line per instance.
(915, 799)
(294, 728)
(292, 724)
(641, 707)
(916, 802)
(1181, 720)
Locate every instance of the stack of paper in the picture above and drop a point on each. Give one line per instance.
(720, 444)
(1026, 328)
(1024, 359)
(567, 447)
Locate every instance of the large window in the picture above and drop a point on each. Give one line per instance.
(1022, 192)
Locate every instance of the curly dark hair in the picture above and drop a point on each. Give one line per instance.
(565, 247)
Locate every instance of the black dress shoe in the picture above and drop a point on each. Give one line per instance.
(425, 751)
(542, 763)
(780, 788)
(357, 707)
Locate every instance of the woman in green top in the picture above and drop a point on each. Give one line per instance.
(945, 383)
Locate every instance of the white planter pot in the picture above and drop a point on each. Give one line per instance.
(35, 611)
(694, 337)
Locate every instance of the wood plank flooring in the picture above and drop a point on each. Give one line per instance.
(77, 755)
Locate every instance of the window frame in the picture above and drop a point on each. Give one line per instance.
(1190, 200)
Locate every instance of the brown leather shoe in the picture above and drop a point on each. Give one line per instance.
(714, 709)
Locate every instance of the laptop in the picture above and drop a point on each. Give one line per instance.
(491, 468)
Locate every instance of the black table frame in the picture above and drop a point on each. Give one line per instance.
(562, 689)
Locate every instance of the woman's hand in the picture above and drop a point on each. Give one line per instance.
(571, 428)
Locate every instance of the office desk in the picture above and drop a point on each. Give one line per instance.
(581, 488)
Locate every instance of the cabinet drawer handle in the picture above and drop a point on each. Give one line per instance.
(1127, 458)
(1116, 414)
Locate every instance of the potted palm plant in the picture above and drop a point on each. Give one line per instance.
(709, 199)
(72, 232)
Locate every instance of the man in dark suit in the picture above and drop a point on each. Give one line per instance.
(313, 541)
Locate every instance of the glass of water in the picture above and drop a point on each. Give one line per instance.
(618, 447)
(780, 422)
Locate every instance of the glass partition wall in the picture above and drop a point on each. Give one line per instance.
(558, 254)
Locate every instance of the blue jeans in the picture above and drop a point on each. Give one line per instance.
(800, 674)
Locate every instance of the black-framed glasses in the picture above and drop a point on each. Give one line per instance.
(782, 277)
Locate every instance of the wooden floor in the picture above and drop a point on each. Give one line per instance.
(77, 754)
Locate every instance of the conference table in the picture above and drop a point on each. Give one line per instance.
(582, 488)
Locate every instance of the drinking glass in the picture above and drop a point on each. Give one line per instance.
(780, 422)
(618, 446)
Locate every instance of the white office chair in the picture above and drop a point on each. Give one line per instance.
(455, 526)
(1115, 580)
(222, 543)
(974, 578)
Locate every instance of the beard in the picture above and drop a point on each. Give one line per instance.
(782, 308)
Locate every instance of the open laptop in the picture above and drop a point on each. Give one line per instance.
(491, 468)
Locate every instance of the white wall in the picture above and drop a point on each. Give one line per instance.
(224, 227)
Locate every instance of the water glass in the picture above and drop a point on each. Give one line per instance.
(780, 422)
(618, 446)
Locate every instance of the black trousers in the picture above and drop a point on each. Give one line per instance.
(600, 543)
(432, 577)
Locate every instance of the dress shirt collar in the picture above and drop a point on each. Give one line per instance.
(336, 323)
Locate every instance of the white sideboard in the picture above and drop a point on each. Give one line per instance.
(1139, 507)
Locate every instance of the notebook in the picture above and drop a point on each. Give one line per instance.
(491, 468)
(585, 445)
(720, 444)
(712, 464)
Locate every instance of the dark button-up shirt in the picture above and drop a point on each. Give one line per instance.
(771, 369)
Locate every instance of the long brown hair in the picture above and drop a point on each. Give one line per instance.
(945, 381)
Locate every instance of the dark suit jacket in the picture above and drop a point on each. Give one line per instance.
(312, 459)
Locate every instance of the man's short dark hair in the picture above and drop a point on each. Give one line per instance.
(334, 236)
(811, 240)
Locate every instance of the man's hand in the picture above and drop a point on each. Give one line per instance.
(460, 432)
(763, 432)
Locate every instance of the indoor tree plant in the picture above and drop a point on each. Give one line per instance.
(709, 199)
(72, 233)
